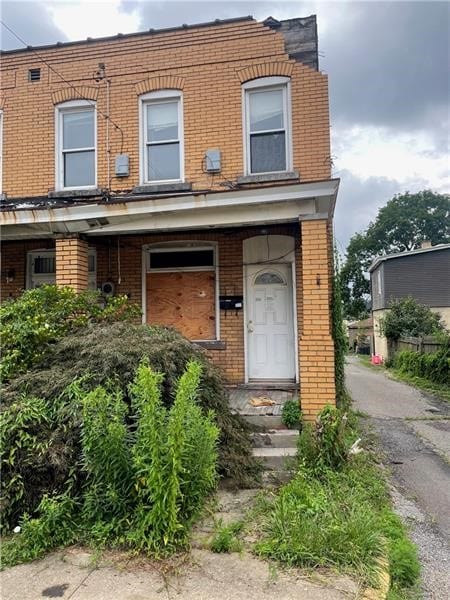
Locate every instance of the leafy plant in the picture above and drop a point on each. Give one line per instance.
(291, 415)
(407, 317)
(326, 443)
(339, 337)
(39, 317)
(226, 538)
(434, 366)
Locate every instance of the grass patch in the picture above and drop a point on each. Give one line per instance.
(364, 359)
(226, 538)
(339, 516)
(439, 389)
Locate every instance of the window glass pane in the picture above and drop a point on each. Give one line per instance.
(268, 152)
(266, 110)
(78, 129)
(162, 121)
(173, 259)
(163, 162)
(44, 264)
(269, 278)
(79, 168)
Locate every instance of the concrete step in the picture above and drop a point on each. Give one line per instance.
(275, 459)
(275, 438)
(266, 421)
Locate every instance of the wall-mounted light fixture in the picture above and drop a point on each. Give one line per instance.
(10, 275)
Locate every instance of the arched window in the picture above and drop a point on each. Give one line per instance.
(269, 278)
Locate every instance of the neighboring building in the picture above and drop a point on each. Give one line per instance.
(423, 274)
(190, 169)
(360, 336)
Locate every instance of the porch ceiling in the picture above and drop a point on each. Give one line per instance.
(194, 211)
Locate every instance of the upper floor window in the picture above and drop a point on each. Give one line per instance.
(76, 143)
(162, 137)
(267, 125)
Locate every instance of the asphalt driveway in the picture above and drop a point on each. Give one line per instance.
(413, 430)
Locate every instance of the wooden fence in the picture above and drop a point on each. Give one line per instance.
(415, 344)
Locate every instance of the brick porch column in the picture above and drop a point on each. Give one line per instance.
(72, 263)
(316, 348)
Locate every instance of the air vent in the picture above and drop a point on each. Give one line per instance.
(34, 75)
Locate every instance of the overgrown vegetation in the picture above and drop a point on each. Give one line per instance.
(336, 511)
(30, 324)
(291, 415)
(226, 538)
(407, 317)
(339, 337)
(434, 366)
(42, 413)
(147, 473)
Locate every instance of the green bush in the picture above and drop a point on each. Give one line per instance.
(291, 415)
(146, 477)
(39, 317)
(434, 366)
(96, 356)
(406, 317)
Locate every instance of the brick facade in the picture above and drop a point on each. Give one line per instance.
(209, 65)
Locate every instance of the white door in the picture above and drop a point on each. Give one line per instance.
(270, 327)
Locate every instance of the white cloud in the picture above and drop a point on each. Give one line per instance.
(87, 18)
(379, 152)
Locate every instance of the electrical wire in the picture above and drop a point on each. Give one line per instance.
(80, 95)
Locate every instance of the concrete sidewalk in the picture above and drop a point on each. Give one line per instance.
(69, 575)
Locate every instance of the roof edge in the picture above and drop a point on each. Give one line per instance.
(379, 259)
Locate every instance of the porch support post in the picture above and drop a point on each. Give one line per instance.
(72, 262)
(316, 348)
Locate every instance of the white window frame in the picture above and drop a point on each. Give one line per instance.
(159, 97)
(264, 84)
(50, 278)
(1, 151)
(60, 110)
(182, 247)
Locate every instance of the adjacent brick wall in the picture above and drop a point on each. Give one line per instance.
(316, 348)
(208, 64)
(72, 263)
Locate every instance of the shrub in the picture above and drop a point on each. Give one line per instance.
(291, 415)
(39, 317)
(407, 317)
(149, 502)
(434, 366)
(95, 356)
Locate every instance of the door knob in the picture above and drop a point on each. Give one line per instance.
(250, 326)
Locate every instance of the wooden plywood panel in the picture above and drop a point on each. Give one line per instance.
(184, 300)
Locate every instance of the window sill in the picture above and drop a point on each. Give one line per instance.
(158, 188)
(211, 344)
(267, 177)
(81, 193)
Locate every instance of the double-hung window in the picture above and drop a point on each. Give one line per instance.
(162, 137)
(76, 145)
(267, 125)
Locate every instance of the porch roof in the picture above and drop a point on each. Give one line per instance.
(196, 210)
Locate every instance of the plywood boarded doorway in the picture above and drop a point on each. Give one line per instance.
(184, 300)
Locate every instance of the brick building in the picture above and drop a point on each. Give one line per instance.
(188, 168)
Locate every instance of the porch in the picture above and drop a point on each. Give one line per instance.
(256, 403)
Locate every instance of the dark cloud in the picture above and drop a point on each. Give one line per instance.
(32, 21)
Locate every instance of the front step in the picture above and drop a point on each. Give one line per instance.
(281, 438)
(275, 459)
(265, 421)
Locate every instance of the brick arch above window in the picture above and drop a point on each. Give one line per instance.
(2, 101)
(272, 69)
(84, 92)
(163, 82)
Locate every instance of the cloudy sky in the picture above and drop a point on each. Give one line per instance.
(388, 66)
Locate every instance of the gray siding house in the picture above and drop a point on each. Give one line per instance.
(423, 274)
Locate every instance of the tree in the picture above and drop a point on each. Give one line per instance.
(407, 317)
(403, 224)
